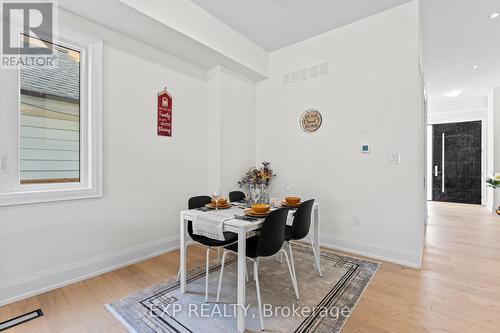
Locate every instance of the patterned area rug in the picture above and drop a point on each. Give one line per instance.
(325, 302)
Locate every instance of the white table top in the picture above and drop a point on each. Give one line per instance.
(235, 223)
(230, 225)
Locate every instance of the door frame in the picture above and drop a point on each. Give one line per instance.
(460, 117)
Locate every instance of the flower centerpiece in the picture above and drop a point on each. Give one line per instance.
(494, 183)
(257, 182)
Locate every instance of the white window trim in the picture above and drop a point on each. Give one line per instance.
(90, 185)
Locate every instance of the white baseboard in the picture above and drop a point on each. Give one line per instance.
(400, 257)
(53, 278)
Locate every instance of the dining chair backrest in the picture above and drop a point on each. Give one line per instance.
(302, 220)
(236, 196)
(197, 202)
(272, 233)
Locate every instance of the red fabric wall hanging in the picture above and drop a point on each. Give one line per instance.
(164, 113)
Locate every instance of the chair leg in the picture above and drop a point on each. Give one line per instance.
(292, 275)
(221, 273)
(259, 301)
(291, 260)
(218, 255)
(207, 271)
(179, 271)
(246, 271)
(315, 256)
(178, 275)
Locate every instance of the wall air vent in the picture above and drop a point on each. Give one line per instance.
(306, 73)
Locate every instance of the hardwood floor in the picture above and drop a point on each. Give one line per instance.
(457, 289)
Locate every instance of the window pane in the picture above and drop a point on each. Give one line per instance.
(50, 119)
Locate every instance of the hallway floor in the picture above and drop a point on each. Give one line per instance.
(457, 289)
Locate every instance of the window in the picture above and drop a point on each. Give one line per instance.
(50, 123)
(50, 119)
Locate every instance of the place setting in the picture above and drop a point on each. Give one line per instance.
(218, 203)
(291, 202)
(255, 206)
(261, 210)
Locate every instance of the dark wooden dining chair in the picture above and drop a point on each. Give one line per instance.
(300, 230)
(267, 243)
(236, 196)
(230, 237)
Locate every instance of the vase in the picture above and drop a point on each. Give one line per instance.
(497, 210)
(250, 195)
(258, 193)
(264, 194)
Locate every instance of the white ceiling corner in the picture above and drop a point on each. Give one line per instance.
(274, 24)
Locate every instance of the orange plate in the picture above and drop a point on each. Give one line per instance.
(212, 206)
(285, 204)
(251, 212)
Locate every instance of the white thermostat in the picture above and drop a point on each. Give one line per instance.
(365, 149)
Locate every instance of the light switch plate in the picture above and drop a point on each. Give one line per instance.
(394, 158)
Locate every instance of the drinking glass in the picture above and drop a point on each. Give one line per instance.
(216, 196)
(275, 203)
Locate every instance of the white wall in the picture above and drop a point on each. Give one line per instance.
(238, 133)
(147, 179)
(440, 105)
(232, 142)
(490, 169)
(428, 162)
(494, 113)
(373, 95)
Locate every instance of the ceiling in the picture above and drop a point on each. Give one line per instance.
(457, 35)
(274, 24)
(116, 16)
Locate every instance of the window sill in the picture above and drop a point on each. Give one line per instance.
(33, 197)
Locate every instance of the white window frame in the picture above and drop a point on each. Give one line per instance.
(12, 192)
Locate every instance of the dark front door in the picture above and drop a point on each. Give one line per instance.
(456, 161)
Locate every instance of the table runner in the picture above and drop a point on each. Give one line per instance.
(210, 224)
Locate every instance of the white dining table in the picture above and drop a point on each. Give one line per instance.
(241, 228)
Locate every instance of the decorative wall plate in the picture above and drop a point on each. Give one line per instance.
(310, 121)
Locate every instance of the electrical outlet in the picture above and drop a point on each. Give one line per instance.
(357, 221)
(3, 165)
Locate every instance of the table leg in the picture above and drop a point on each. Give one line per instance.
(316, 237)
(182, 228)
(242, 238)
